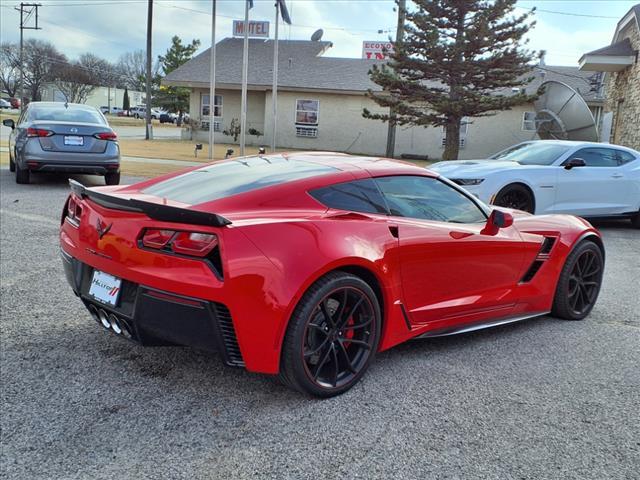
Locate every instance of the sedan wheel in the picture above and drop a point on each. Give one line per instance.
(22, 175)
(579, 283)
(332, 337)
(517, 197)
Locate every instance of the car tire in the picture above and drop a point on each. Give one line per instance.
(579, 282)
(332, 336)
(22, 175)
(635, 220)
(112, 178)
(516, 196)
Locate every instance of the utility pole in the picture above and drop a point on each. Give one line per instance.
(391, 130)
(26, 11)
(149, 131)
(212, 82)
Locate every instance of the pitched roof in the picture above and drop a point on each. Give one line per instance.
(584, 82)
(302, 67)
(619, 49)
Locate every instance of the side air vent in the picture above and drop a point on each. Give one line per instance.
(234, 356)
(543, 256)
(533, 269)
(547, 245)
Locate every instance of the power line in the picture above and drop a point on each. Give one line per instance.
(570, 14)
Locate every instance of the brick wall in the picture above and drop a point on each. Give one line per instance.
(622, 96)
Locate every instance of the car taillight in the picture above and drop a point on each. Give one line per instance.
(38, 132)
(74, 210)
(106, 136)
(157, 239)
(194, 244)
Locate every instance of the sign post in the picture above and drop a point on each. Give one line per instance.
(245, 68)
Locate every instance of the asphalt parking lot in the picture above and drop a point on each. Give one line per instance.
(539, 399)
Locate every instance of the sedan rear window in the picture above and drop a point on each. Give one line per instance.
(72, 114)
(225, 179)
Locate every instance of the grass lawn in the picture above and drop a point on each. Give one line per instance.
(176, 149)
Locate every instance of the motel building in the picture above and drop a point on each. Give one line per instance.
(321, 99)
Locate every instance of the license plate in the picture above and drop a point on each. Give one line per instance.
(74, 140)
(105, 288)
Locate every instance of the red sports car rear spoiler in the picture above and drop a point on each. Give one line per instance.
(164, 213)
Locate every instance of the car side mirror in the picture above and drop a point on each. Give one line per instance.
(8, 122)
(500, 219)
(497, 220)
(574, 162)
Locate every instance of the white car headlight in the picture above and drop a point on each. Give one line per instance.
(467, 181)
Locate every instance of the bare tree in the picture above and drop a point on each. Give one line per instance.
(42, 61)
(77, 80)
(9, 68)
(132, 70)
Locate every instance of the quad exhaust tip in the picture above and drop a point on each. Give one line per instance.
(110, 321)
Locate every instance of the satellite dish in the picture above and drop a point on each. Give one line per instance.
(317, 35)
(562, 114)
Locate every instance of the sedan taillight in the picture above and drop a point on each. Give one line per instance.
(74, 210)
(106, 136)
(193, 244)
(38, 132)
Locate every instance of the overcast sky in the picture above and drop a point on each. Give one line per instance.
(565, 29)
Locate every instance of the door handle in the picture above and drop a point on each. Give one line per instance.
(617, 175)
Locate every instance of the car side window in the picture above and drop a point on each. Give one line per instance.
(428, 198)
(598, 157)
(356, 196)
(624, 157)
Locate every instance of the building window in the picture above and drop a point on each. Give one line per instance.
(205, 105)
(307, 112)
(464, 128)
(216, 126)
(307, 118)
(529, 121)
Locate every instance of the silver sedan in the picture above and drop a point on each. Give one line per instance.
(63, 137)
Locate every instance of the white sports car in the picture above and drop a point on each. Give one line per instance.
(555, 176)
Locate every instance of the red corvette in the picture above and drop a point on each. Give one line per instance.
(305, 265)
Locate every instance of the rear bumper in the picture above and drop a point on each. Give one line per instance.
(45, 166)
(34, 158)
(154, 317)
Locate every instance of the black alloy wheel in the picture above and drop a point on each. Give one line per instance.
(517, 197)
(332, 337)
(580, 282)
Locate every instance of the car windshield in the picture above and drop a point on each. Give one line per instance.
(539, 153)
(70, 114)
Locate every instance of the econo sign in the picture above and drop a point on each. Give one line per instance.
(376, 50)
(256, 29)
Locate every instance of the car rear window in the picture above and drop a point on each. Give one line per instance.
(231, 178)
(70, 114)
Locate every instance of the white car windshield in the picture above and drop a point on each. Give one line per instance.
(539, 153)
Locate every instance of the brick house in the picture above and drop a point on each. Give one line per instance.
(620, 65)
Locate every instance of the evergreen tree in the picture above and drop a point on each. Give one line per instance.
(175, 98)
(126, 103)
(458, 58)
